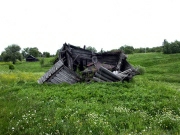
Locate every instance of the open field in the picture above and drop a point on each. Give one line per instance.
(148, 104)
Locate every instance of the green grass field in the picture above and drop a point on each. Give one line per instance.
(148, 104)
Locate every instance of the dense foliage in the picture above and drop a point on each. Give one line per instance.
(147, 49)
(127, 49)
(34, 51)
(149, 104)
(92, 49)
(169, 48)
(11, 53)
(46, 54)
(130, 49)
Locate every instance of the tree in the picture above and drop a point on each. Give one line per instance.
(0, 58)
(139, 50)
(92, 49)
(11, 53)
(166, 47)
(25, 52)
(127, 49)
(31, 51)
(114, 50)
(46, 54)
(34, 52)
(173, 47)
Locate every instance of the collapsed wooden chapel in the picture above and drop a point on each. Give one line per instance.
(77, 64)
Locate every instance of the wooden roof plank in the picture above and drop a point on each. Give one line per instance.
(69, 75)
(65, 78)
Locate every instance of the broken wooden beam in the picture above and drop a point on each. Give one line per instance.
(102, 77)
(98, 79)
(107, 76)
(102, 69)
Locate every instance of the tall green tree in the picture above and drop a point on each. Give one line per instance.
(139, 50)
(46, 54)
(25, 52)
(92, 49)
(12, 53)
(0, 58)
(166, 47)
(127, 49)
(34, 52)
(173, 47)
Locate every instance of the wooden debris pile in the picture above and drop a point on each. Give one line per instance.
(77, 64)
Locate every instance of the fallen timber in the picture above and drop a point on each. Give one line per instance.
(75, 64)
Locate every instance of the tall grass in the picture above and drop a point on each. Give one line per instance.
(148, 104)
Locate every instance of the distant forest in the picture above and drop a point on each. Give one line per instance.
(13, 52)
(166, 48)
(173, 47)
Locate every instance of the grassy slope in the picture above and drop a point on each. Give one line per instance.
(159, 67)
(149, 104)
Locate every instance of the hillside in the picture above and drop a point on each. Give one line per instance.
(148, 104)
(159, 67)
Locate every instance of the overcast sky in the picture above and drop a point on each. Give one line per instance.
(107, 24)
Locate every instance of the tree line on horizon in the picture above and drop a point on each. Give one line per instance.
(12, 52)
(166, 48)
(170, 48)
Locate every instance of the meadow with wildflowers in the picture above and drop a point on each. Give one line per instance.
(148, 104)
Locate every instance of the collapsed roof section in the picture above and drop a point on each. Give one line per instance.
(59, 73)
(77, 64)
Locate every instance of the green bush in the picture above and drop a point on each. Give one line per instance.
(42, 62)
(11, 67)
(53, 60)
(140, 69)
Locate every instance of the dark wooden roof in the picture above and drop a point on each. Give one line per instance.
(31, 58)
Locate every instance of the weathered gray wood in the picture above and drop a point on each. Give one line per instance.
(109, 73)
(122, 56)
(107, 76)
(40, 81)
(65, 78)
(108, 58)
(50, 74)
(72, 72)
(69, 58)
(69, 52)
(68, 74)
(126, 71)
(58, 64)
(59, 80)
(54, 74)
(98, 79)
(122, 76)
(69, 77)
(60, 76)
(53, 69)
(73, 56)
(54, 81)
(102, 77)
